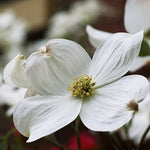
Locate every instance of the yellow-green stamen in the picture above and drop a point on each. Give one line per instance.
(82, 86)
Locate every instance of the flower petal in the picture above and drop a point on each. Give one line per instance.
(140, 121)
(96, 37)
(36, 117)
(50, 71)
(10, 111)
(140, 62)
(137, 14)
(10, 95)
(108, 110)
(30, 92)
(139, 124)
(14, 72)
(115, 57)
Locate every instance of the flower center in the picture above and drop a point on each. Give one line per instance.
(82, 86)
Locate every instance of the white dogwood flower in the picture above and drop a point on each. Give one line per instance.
(96, 37)
(136, 18)
(140, 121)
(70, 84)
(137, 15)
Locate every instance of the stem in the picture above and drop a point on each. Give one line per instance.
(116, 143)
(77, 133)
(143, 138)
(55, 142)
(76, 130)
(116, 147)
(126, 127)
(5, 138)
(130, 122)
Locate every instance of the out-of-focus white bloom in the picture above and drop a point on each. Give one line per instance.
(140, 121)
(72, 21)
(137, 15)
(96, 37)
(85, 11)
(70, 84)
(12, 30)
(12, 35)
(136, 18)
(10, 96)
(140, 62)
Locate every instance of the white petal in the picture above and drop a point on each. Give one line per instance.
(37, 117)
(144, 105)
(139, 124)
(10, 95)
(50, 72)
(140, 62)
(137, 15)
(96, 37)
(10, 111)
(108, 109)
(115, 57)
(14, 72)
(1, 78)
(30, 92)
(140, 121)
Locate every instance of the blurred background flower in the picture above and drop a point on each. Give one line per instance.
(12, 35)
(66, 24)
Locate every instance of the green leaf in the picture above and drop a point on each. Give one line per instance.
(145, 49)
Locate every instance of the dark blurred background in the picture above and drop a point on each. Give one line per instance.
(38, 12)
